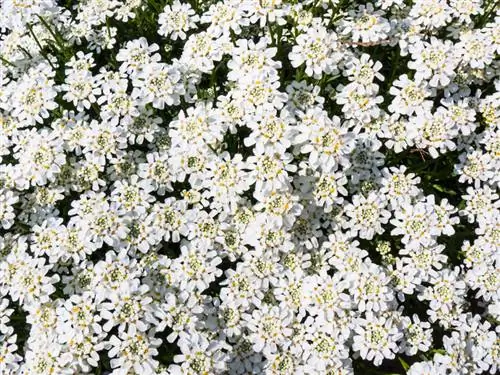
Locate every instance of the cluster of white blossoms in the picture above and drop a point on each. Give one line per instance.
(249, 187)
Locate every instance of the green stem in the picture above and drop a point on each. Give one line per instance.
(30, 28)
(57, 38)
(25, 51)
(152, 4)
(488, 12)
(107, 27)
(5, 61)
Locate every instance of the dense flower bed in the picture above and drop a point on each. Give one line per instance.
(249, 187)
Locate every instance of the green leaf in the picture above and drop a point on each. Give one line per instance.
(440, 351)
(444, 190)
(405, 365)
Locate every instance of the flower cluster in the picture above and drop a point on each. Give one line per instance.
(249, 187)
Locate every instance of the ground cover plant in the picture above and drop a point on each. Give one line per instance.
(249, 187)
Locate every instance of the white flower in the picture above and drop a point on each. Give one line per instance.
(249, 57)
(158, 84)
(425, 260)
(327, 143)
(475, 166)
(398, 132)
(359, 102)
(225, 17)
(249, 187)
(7, 215)
(431, 13)
(34, 96)
(410, 96)
(30, 282)
(269, 328)
(81, 90)
(366, 24)
(132, 196)
(476, 48)
(464, 9)
(197, 125)
(137, 55)
(481, 204)
(302, 96)
(371, 291)
(324, 345)
(82, 352)
(435, 132)
(199, 265)
(363, 71)
(425, 368)
(326, 295)
(41, 155)
(417, 335)
(399, 186)
(258, 90)
(133, 351)
(269, 171)
(416, 224)
(127, 307)
(485, 279)
(202, 50)
(176, 20)
(117, 104)
(446, 290)
(376, 338)
(169, 219)
(367, 215)
(263, 11)
(270, 132)
(10, 359)
(316, 49)
(328, 189)
(199, 355)
(435, 61)
(44, 358)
